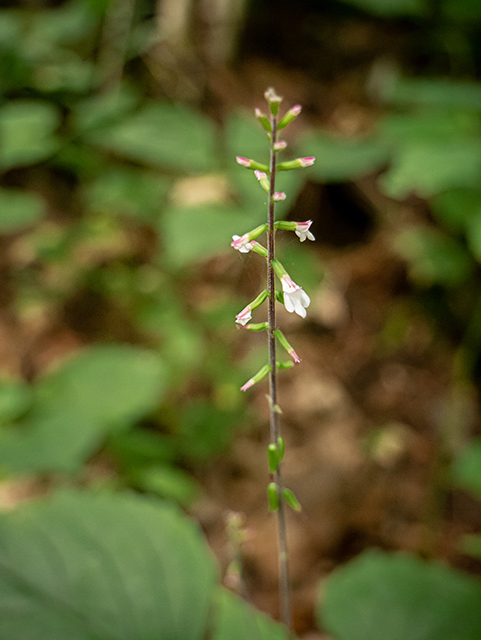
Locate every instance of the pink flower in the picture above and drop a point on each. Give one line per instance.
(244, 316)
(250, 383)
(280, 145)
(295, 298)
(302, 230)
(245, 162)
(296, 110)
(241, 243)
(294, 356)
(260, 175)
(307, 162)
(279, 195)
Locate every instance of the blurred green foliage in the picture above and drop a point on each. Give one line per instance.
(91, 566)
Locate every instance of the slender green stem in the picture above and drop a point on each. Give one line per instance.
(284, 589)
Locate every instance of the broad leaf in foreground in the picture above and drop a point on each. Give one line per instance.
(399, 597)
(102, 567)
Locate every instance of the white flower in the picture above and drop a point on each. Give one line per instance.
(241, 243)
(244, 316)
(295, 299)
(302, 230)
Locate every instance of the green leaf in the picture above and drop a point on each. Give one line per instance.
(199, 232)
(26, 132)
(167, 482)
(456, 207)
(101, 389)
(236, 620)
(102, 567)
(433, 257)
(434, 92)
(399, 597)
(471, 545)
(15, 399)
(111, 383)
(126, 191)
(338, 160)
(19, 209)
(466, 468)
(391, 8)
(427, 168)
(162, 135)
(428, 126)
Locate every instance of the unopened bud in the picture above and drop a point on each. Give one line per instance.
(251, 164)
(290, 116)
(295, 164)
(280, 145)
(273, 100)
(263, 120)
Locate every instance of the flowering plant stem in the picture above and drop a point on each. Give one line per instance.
(295, 300)
(284, 588)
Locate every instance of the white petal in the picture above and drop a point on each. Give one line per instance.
(288, 303)
(305, 300)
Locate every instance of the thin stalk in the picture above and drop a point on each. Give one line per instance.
(284, 590)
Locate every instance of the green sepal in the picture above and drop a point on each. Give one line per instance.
(272, 496)
(285, 225)
(273, 100)
(260, 249)
(284, 365)
(265, 184)
(259, 326)
(280, 296)
(281, 445)
(273, 456)
(289, 117)
(263, 120)
(291, 499)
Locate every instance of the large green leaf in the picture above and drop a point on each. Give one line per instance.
(338, 160)
(391, 8)
(466, 468)
(26, 132)
(434, 92)
(427, 168)
(236, 620)
(165, 135)
(399, 597)
(456, 207)
(102, 567)
(101, 389)
(433, 257)
(19, 209)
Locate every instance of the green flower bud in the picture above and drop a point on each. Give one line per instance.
(290, 116)
(272, 496)
(291, 499)
(263, 120)
(273, 457)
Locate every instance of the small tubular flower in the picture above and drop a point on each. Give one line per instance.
(257, 378)
(244, 316)
(295, 298)
(241, 243)
(279, 195)
(302, 230)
